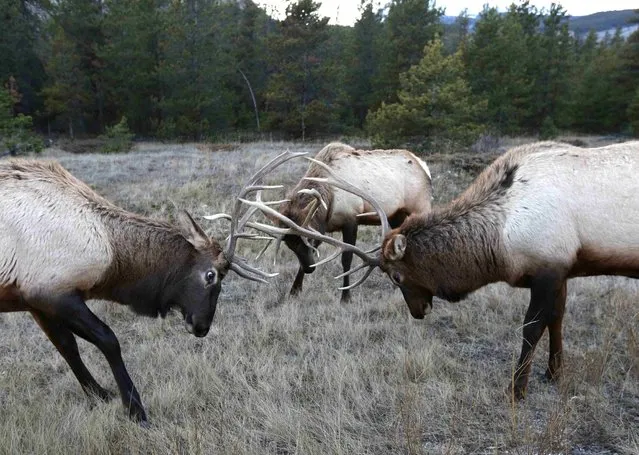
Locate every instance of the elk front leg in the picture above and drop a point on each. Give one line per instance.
(71, 312)
(64, 341)
(349, 235)
(546, 289)
(299, 281)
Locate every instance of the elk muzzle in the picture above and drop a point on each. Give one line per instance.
(419, 301)
(196, 327)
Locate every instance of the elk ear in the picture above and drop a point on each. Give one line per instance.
(191, 231)
(396, 248)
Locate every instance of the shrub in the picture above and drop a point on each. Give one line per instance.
(548, 129)
(118, 138)
(16, 133)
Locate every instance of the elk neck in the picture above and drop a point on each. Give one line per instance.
(148, 254)
(459, 247)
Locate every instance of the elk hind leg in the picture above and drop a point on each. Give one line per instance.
(71, 311)
(555, 336)
(64, 341)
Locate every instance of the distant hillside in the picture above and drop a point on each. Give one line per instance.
(602, 22)
(606, 21)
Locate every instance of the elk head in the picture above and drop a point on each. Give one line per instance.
(405, 274)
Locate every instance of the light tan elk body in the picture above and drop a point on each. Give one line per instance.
(397, 179)
(540, 214)
(61, 244)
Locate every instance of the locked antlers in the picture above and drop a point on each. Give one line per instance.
(368, 260)
(240, 221)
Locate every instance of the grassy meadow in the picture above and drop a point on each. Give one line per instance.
(311, 376)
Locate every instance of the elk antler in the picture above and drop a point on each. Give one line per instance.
(239, 222)
(369, 261)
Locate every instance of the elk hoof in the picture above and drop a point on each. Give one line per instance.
(516, 392)
(138, 415)
(551, 376)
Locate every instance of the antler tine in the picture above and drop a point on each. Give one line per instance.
(237, 269)
(250, 187)
(346, 186)
(327, 259)
(278, 243)
(263, 250)
(316, 194)
(297, 229)
(312, 209)
(240, 262)
(360, 281)
(351, 271)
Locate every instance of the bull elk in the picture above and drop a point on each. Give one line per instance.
(398, 179)
(540, 214)
(61, 244)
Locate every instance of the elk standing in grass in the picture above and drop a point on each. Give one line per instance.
(399, 180)
(539, 215)
(61, 244)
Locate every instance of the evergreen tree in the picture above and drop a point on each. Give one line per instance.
(435, 105)
(131, 58)
(555, 62)
(20, 38)
(76, 88)
(298, 76)
(363, 70)
(498, 69)
(598, 97)
(409, 26)
(196, 70)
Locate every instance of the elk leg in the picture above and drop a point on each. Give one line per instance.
(554, 331)
(64, 341)
(299, 281)
(349, 235)
(544, 291)
(71, 311)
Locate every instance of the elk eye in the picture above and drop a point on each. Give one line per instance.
(396, 278)
(210, 277)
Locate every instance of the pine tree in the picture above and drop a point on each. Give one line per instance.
(497, 63)
(20, 40)
(435, 105)
(76, 90)
(409, 26)
(298, 77)
(131, 57)
(363, 70)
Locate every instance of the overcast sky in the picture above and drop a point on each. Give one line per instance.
(346, 12)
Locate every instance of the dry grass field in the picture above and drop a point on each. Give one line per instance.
(311, 376)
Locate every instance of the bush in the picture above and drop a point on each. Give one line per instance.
(548, 129)
(633, 114)
(118, 138)
(16, 134)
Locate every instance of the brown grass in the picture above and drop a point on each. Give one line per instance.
(310, 375)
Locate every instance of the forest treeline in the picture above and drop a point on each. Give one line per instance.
(200, 69)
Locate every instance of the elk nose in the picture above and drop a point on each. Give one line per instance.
(200, 331)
